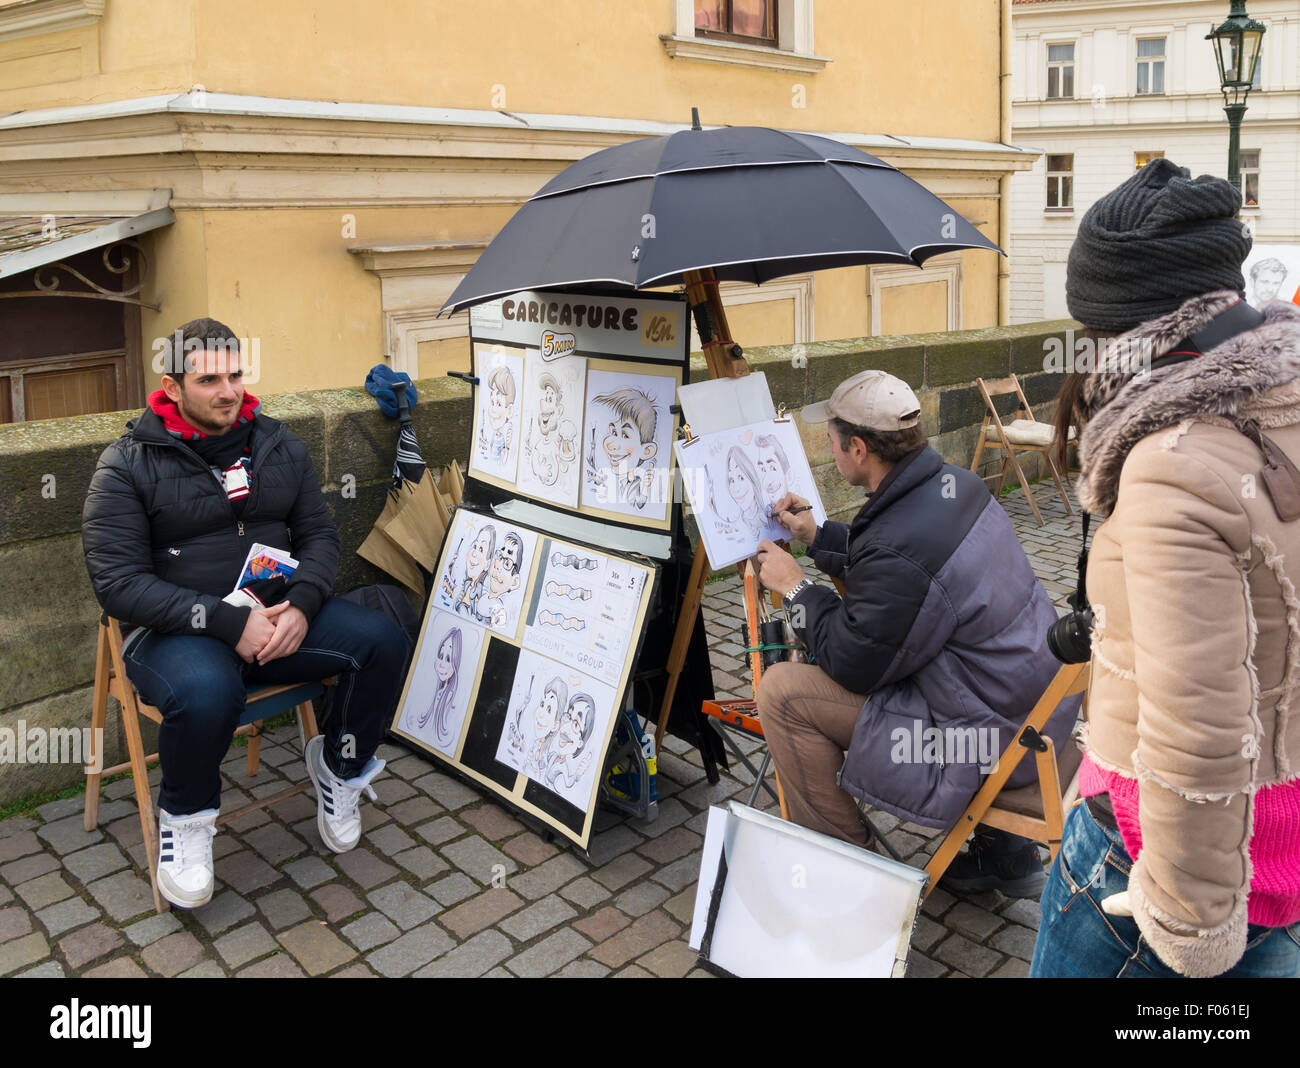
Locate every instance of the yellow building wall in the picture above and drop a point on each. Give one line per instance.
(580, 57)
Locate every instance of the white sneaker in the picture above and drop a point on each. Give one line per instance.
(337, 816)
(185, 857)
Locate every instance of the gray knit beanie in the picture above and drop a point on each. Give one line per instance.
(1157, 240)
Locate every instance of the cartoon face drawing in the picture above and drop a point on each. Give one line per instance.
(549, 407)
(575, 725)
(773, 469)
(498, 410)
(548, 710)
(480, 552)
(623, 443)
(504, 576)
(445, 667)
(741, 484)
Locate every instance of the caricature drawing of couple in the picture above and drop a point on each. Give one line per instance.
(490, 573)
(756, 481)
(562, 727)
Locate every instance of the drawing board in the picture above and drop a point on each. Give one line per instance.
(734, 477)
(475, 695)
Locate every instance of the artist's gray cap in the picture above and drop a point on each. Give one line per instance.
(871, 399)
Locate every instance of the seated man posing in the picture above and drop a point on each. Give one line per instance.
(173, 507)
(932, 660)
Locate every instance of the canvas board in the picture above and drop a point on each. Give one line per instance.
(495, 444)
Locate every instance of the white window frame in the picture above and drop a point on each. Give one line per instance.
(797, 288)
(1059, 209)
(1162, 59)
(1256, 171)
(1060, 64)
(945, 268)
(794, 37)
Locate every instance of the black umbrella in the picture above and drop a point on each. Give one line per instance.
(746, 203)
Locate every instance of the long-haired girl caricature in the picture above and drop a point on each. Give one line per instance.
(447, 671)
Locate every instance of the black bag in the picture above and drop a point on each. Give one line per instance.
(392, 602)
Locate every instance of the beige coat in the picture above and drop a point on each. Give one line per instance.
(1196, 645)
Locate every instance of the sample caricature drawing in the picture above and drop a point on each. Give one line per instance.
(443, 678)
(550, 414)
(496, 446)
(486, 572)
(626, 438)
(495, 439)
(550, 445)
(1272, 272)
(623, 469)
(555, 716)
(735, 477)
(447, 671)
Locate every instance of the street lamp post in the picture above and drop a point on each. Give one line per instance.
(1236, 51)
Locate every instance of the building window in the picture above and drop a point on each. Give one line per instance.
(1060, 183)
(1248, 165)
(747, 21)
(1141, 159)
(1060, 72)
(1150, 65)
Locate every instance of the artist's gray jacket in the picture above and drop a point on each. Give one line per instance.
(943, 625)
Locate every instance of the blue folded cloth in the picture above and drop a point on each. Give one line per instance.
(382, 383)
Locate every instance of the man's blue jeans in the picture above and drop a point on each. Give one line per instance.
(199, 684)
(1077, 939)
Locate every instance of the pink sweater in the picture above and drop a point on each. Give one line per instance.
(1274, 899)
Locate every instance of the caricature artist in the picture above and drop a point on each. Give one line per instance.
(942, 625)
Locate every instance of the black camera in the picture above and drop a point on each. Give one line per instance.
(1070, 637)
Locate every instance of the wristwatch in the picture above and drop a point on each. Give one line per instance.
(795, 590)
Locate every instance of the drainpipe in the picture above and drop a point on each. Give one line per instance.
(1004, 183)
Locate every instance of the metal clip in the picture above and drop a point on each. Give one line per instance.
(781, 417)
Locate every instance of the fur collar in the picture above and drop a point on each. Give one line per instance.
(1121, 404)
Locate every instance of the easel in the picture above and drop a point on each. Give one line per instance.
(721, 356)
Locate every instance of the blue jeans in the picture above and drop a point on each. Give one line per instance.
(199, 684)
(1077, 939)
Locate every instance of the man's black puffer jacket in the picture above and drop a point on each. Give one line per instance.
(161, 538)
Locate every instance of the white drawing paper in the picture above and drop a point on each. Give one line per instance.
(550, 462)
(442, 680)
(1272, 272)
(583, 609)
(555, 722)
(721, 403)
(496, 447)
(734, 477)
(627, 431)
(486, 572)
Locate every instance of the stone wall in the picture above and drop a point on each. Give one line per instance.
(47, 611)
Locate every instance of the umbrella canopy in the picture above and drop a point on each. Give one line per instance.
(749, 203)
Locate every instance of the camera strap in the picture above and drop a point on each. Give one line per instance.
(1080, 598)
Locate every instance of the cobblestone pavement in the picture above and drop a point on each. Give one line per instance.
(417, 896)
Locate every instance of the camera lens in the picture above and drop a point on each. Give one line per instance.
(1070, 637)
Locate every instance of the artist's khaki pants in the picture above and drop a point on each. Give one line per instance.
(808, 721)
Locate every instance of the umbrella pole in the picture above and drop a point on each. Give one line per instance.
(724, 360)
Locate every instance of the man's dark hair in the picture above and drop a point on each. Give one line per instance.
(889, 445)
(195, 336)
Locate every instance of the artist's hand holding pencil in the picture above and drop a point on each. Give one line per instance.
(795, 514)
